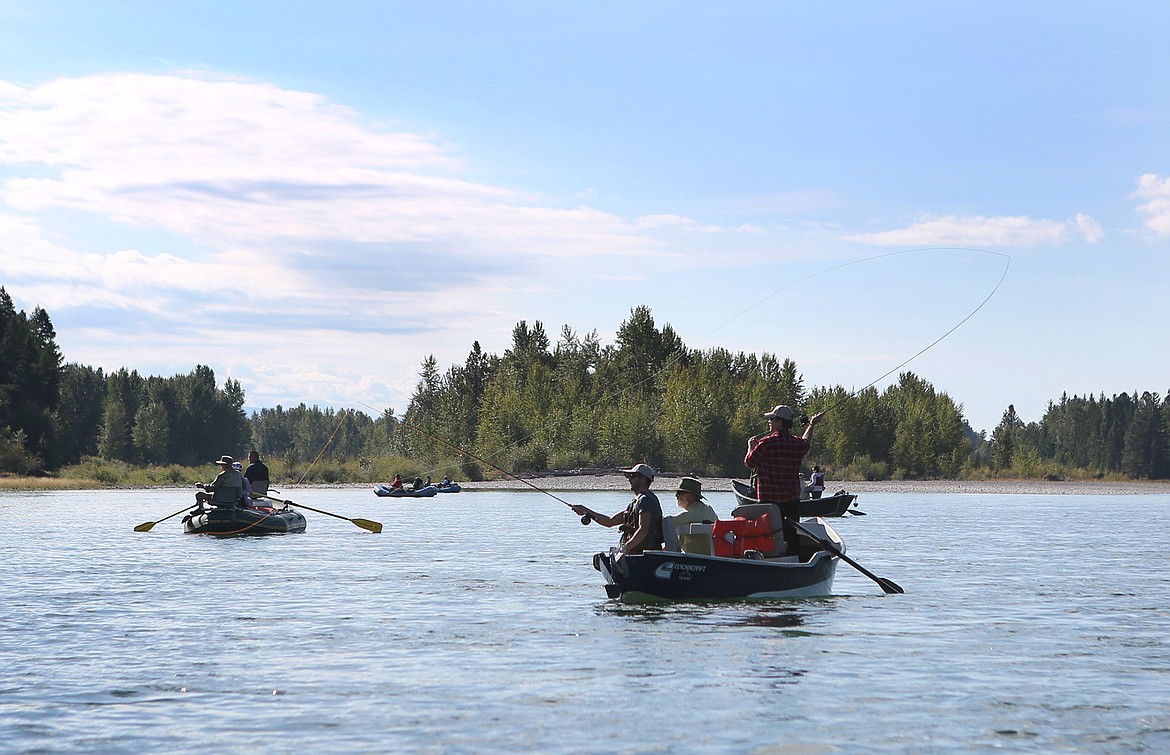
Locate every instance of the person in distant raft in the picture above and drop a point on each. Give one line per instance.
(776, 458)
(246, 494)
(641, 522)
(226, 490)
(257, 474)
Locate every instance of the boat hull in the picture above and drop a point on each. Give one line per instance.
(832, 505)
(227, 521)
(667, 575)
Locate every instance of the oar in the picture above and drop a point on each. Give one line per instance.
(855, 512)
(365, 524)
(145, 526)
(887, 585)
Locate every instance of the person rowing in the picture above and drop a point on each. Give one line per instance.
(225, 490)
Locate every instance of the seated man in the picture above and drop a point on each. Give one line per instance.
(695, 510)
(226, 490)
(246, 493)
(256, 475)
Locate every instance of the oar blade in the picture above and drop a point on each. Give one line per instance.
(367, 524)
(145, 526)
(890, 587)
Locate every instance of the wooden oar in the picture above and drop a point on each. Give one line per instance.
(145, 526)
(365, 524)
(887, 585)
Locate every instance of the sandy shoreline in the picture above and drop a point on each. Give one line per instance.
(1002, 487)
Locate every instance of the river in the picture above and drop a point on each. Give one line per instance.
(475, 623)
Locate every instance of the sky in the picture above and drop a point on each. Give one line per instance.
(311, 198)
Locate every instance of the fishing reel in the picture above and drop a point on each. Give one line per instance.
(586, 519)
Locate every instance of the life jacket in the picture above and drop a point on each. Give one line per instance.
(654, 538)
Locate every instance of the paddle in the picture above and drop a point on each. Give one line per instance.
(145, 526)
(887, 585)
(365, 524)
(855, 512)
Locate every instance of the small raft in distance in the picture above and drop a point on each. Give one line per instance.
(385, 491)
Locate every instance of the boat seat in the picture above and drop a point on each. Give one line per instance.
(697, 539)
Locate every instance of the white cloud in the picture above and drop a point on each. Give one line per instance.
(955, 230)
(237, 163)
(678, 222)
(283, 217)
(1156, 208)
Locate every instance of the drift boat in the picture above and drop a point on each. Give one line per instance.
(827, 505)
(224, 521)
(733, 559)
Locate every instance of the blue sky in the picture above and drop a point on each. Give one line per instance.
(312, 197)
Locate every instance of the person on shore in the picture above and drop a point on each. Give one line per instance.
(257, 474)
(775, 458)
(695, 510)
(816, 483)
(225, 490)
(641, 522)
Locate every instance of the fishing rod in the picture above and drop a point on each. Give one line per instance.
(585, 519)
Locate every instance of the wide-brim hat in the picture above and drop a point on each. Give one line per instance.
(643, 469)
(690, 485)
(780, 411)
(225, 459)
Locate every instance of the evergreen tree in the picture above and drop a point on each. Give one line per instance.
(1003, 439)
(1146, 447)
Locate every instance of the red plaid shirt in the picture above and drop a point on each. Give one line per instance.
(777, 460)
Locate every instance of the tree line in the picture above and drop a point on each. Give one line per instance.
(544, 406)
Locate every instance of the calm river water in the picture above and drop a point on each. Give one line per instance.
(475, 623)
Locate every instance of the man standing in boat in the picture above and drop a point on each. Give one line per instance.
(641, 522)
(775, 458)
(816, 483)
